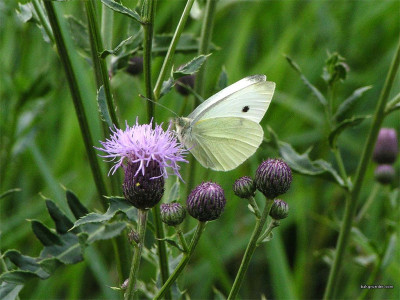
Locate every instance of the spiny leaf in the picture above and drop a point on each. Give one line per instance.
(172, 243)
(191, 67)
(80, 35)
(342, 126)
(167, 86)
(116, 50)
(117, 204)
(26, 263)
(106, 231)
(103, 108)
(44, 234)
(119, 8)
(9, 192)
(63, 224)
(9, 291)
(222, 80)
(347, 105)
(302, 164)
(77, 208)
(311, 87)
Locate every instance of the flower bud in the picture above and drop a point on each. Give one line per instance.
(143, 191)
(279, 209)
(386, 147)
(384, 174)
(135, 65)
(183, 82)
(206, 202)
(273, 178)
(244, 187)
(172, 214)
(133, 237)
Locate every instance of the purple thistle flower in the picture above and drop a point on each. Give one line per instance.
(142, 144)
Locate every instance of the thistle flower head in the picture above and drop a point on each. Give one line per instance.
(172, 214)
(279, 209)
(135, 65)
(273, 178)
(244, 187)
(386, 147)
(206, 202)
(384, 174)
(143, 144)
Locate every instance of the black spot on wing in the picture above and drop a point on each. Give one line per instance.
(245, 109)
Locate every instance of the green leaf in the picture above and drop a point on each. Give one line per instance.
(308, 84)
(9, 192)
(342, 126)
(26, 263)
(302, 164)
(393, 104)
(222, 80)
(80, 35)
(187, 43)
(116, 50)
(172, 243)
(117, 204)
(9, 291)
(174, 192)
(27, 13)
(106, 231)
(268, 238)
(103, 108)
(63, 224)
(77, 208)
(348, 105)
(44, 234)
(191, 67)
(390, 252)
(119, 8)
(167, 86)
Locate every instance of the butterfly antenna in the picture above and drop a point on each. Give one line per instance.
(143, 97)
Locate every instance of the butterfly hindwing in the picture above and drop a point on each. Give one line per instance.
(224, 143)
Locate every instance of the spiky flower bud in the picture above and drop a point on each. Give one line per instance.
(386, 147)
(244, 187)
(206, 202)
(384, 174)
(172, 214)
(135, 65)
(279, 209)
(143, 191)
(183, 82)
(273, 178)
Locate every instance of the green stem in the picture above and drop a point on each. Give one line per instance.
(148, 20)
(181, 237)
(251, 247)
(205, 40)
(341, 166)
(368, 203)
(43, 20)
(99, 63)
(77, 99)
(351, 202)
(161, 247)
(182, 264)
(169, 58)
(137, 254)
(254, 205)
(274, 223)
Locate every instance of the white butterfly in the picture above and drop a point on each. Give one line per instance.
(224, 131)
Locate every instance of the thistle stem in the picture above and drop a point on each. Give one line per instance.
(351, 201)
(182, 264)
(99, 63)
(148, 20)
(251, 247)
(274, 223)
(205, 40)
(77, 99)
(137, 254)
(254, 205)
(169, 58)
(181, 237)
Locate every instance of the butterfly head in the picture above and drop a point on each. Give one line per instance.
(183, 128)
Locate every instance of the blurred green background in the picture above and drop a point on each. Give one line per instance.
(42, 148)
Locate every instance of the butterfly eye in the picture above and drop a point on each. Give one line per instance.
(245, 109)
